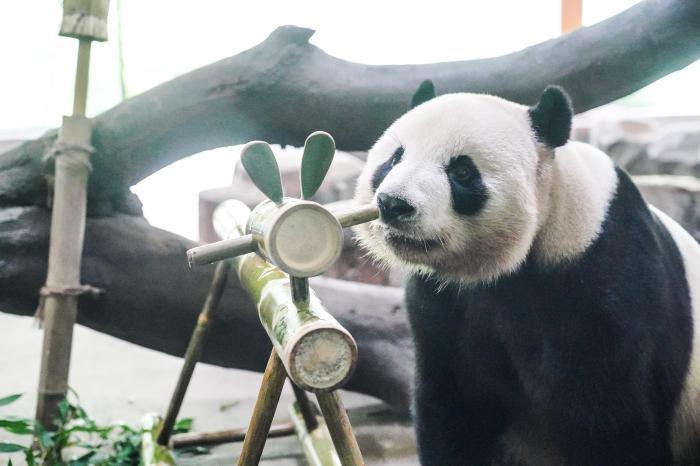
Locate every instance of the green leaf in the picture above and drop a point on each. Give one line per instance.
(29, 457)
(319, 150)
(183, 426)
(17, 426)
(10, 447)
(9, 399)
(260, 164)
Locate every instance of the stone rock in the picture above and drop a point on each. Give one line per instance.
(668, 146)
(677, 196)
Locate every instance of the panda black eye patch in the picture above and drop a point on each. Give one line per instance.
(469, 193)
(383, 170)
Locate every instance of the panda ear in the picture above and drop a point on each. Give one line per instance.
(424, 93)
(551, 117)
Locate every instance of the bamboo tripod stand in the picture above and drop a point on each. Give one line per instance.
(274, 250)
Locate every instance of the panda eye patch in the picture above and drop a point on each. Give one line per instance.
(383, 170)
(469, 194)
(461, 168)
(396, 156)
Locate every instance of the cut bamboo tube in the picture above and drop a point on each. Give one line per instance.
(194, 349)
(208, 439)
(340, 429)
(263, 412)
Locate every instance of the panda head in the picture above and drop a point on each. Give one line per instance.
(460, 181)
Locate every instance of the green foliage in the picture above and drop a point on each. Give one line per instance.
(90, 443)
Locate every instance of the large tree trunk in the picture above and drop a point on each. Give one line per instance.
(280, 91)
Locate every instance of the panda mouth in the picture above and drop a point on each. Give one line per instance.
(401, 242)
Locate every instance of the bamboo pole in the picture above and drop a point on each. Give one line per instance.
(316, 443)
(340, 429)
(194, 349)
(263, 412)
(225, 436)
(58, 305)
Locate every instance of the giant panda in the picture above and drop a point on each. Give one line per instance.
(553, 311)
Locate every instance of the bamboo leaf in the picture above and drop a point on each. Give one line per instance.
(319, 150)
(260, 164)
(17, 426)
(10, 447)
(9, 399)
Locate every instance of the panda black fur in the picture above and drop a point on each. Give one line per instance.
(552, 309)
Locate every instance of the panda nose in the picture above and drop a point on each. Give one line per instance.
(392, 208)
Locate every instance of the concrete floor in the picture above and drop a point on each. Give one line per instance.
(120, 381)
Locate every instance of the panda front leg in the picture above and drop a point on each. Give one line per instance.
(454, 428)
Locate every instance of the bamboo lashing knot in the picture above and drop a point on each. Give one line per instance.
(73, 154)
(62, 291)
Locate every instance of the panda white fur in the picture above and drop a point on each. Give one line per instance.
(552, 310)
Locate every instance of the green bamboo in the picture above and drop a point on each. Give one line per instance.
(316, 443)
(317, 352)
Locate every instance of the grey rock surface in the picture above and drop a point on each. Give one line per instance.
(664, 146)
(677, 196)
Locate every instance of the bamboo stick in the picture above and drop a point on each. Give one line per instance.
(263, 412)
(59, 300)
(306, 408)
(340, 429)
(194, 349)
(362, 214)
(208, 439)
(316, 443)
(82, 76)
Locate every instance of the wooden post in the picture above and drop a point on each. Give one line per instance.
(87, 21)
(263, 412)
(194, 349)
(571, 15)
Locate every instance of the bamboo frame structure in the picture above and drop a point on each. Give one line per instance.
(274, 249)
(287, 311)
